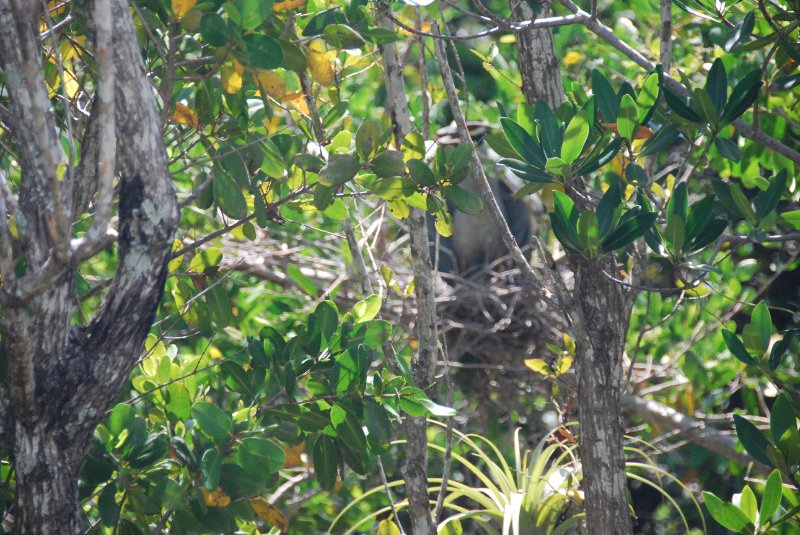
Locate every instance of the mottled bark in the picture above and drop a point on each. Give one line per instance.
(603, 313)
(423, 364)
(538, 65)
(61, 378)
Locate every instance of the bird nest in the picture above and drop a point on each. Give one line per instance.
(490, 325)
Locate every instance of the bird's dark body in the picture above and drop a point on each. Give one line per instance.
(476, 242)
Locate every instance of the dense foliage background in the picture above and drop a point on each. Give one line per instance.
(272, 386)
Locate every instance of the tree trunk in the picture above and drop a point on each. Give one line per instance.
(538, 65)
(600, 315)
(605, 309)
(61, 377)
(423, 364)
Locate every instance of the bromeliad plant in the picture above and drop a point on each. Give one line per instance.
(538, 495)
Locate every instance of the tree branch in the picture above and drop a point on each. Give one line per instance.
(690, 428)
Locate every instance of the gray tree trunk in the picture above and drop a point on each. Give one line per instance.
(600, 315)
(62, 378)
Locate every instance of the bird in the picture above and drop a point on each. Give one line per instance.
(476, 243)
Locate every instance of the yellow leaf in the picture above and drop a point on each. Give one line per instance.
(71, 85)
(270, 513)
(444, 224)
(57, 7)
(272, 124)
(214, 352)
(563, 365)
(399, 208)
(183, 114)
(288, 5)
(293, 456)
(175, 263)
(298, 101)
(182, 7)
(387, 527)
(538, 365)
(572, 57)
(569, 345)
(217, 498)
(272, 82)
(238, 67)
(319, 64)
(231, 80)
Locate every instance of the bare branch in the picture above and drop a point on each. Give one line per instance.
(665, 48)
(490, 203)
(692, 429)
(106, 115)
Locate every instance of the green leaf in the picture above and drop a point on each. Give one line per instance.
(120, 418)
(647, 99)
(767, 201)
(325, 456)
(463, 200)
(663, 138)
(606, 97)
(680, 106)
(762, 320)
(498, 143)
(262, 52)
(342, 36)
(742, 202)
(523, 143)
(628, 118)
(779, 349)
(214, 30)
(321, 20)
(367, 308)
(107, 505)
(607, 207)
(782, 418)
(435, 409)
(388, 163)
(748, 504)
(704, 107)
(791, 219)
(742, 32)
(211, 469)
(771, 498)
(551, 133)
(368, 138)
(588, 231)
(678, 205)
(752, 439)
(254, 12)
(293, 57)
(378, 425)
(728, 149)
(260, 456)
(229, 196)
(726, 514)
(593, 163)
(341, 168)
(736, 347)
(717, 85)
(213, 422)
(629, 231)
(675, 235)
(743, 96)
(420, 172)
(576, 134)
(565, 221)
(526, 171)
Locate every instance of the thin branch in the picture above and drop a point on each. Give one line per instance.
(532, 281)
(106, 156)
